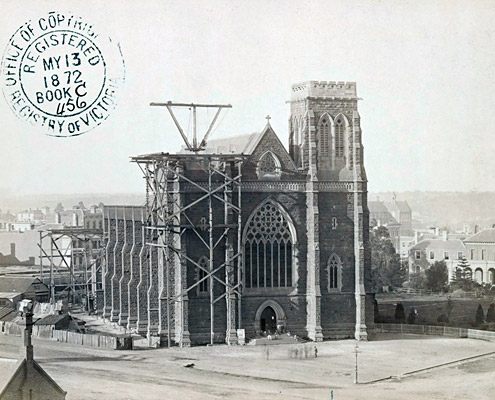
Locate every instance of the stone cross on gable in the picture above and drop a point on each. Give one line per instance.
(268, 118)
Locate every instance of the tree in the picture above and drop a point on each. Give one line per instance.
(490, 315)
(450, 306)
(411, 318)
(480, 315)
(417, 281)
(437, 276)
(400, 313)
(59, 208)
(463, 278)
(386, 267)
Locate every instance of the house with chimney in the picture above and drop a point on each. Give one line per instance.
(478, 249)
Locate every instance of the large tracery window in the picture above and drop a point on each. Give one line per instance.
(324, 139)
(333, 270)
(268, 244)
(339, 137)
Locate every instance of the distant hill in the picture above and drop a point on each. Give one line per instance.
(449, 209)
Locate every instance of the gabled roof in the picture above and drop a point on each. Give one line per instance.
(4, 312)
(439, 244)
(52, 319)
(9, 295)
(281, 151)
(10, 368)
(485, 236)
(377, 207)
(244, 144)
(401, 206)
(17, 284)
(8, 217)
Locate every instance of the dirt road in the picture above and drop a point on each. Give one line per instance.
(245, 372)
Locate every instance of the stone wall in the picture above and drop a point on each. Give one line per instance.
(134, 255)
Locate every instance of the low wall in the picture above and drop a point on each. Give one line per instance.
(83, 339)
(447, 331)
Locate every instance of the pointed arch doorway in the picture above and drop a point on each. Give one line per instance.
(269, 317)
(268, 321)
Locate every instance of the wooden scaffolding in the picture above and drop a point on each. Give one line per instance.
(169, 208)
(73, 258)
(171, 198)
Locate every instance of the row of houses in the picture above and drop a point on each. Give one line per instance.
(19, 240)
(78, 216)
(477, 249)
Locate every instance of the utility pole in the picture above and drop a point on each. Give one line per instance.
(356, 351)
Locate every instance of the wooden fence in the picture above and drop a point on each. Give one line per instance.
(83, 339)
(447, 331)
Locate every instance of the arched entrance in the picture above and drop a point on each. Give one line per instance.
(478, 275)
(269, 316)
(491, 276)
(268, 321)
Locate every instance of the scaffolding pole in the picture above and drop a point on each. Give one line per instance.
(240, 275)
(210, 259)
(169, 220)
(74, 278)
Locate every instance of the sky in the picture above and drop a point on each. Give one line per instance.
(424, 70)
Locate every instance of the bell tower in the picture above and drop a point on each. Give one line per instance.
(324, 117)
(325, 143)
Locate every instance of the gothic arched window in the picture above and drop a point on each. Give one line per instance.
(203, 285)
(339, 137)
(334, 272)
(324, 139)
(269, 166)
(268, 243)
(334, 223)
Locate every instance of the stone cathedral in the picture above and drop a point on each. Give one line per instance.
(300, 262)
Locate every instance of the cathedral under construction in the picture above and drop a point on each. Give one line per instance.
(240, 234)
